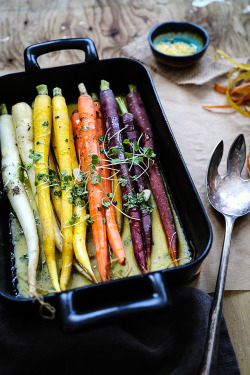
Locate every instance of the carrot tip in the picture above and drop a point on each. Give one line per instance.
(3, 109)
(57, 91)
(122, 261)
(82, 89)
(94, 97)
(132, 88)
(105, 85)
(42, 89)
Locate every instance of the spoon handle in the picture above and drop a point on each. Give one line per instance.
(209, 362)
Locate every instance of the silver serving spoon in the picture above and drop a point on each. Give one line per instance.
(230, 195)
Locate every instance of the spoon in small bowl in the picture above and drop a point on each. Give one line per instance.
(230, 195)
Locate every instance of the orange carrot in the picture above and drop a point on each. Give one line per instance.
(237, 101)
(248, 162)
(89, 154)
(240, 87)
(220, 88)
(243, 99)
(224, 89)
(114, 237)
(216, 106)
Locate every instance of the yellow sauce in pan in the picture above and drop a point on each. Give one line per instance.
(160, 258)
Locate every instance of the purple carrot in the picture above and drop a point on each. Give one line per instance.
(111, 121)
(137, 108)
(127, 121)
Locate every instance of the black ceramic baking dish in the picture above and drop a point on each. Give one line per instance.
(99, 303)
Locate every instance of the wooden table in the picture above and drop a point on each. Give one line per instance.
(112, 24)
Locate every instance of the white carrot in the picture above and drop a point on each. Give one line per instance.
(22, 116)
(23, 120)
(16, 193)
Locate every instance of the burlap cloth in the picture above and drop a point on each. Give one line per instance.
(197, 131)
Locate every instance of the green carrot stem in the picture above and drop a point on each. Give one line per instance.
(105, 85)
(57, 91)
(42, 89)
(121, 104)
(3, 109)
(94, 97)
(132, 88)
(82, 89)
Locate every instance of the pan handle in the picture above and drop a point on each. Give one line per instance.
(151, 296)
(31, 53)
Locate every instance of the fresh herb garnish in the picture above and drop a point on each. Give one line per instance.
(140, 200)
(65, 177)
(128, 155)
(96, 179)
(149, 153)
(34, 155)
(53, 178)
(95, 159)
(136, 147)
(73, 219)
(21, 175)
(116, 161)
(24, 257)
(57, 193)
(115, 151)
(106, 204)
(122, 180)
(87, 220)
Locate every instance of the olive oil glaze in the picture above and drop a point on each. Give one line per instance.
(160, 258)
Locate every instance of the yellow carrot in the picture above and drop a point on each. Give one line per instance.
(74, 161)
(56, 199)
(54, 146)
(55, 188)
(42, 132)
(79, 239)
(116, 190)
(61, 133)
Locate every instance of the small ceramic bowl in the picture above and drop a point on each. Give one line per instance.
(172, 32)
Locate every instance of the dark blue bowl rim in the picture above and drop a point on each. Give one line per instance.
(179, 23)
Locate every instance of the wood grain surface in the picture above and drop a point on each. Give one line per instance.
(111, 25)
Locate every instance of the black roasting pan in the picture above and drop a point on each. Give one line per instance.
(83, 307)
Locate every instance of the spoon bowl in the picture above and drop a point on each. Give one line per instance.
(229, 194)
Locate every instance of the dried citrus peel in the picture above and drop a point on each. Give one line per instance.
(239, 89)
(241, 66)
(243, 88)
